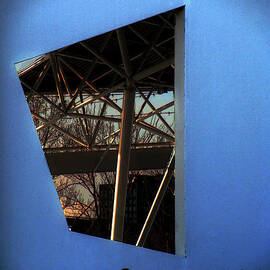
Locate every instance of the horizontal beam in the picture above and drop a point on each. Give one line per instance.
(94, 117)
(109, 147)
(153, 69)
(86, 161)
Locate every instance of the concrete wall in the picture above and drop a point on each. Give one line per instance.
(227, 140)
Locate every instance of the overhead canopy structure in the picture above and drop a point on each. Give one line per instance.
(94, 109)
(75, 93)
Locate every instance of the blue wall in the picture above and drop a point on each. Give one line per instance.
(226, 144)
(34, 233)
(227, 134)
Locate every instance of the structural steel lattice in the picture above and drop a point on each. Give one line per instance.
(85, 95)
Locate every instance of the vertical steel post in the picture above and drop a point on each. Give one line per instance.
(121, 183)
(123, 165)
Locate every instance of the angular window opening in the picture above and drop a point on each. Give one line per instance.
(104, 112)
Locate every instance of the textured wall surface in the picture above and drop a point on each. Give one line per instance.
(227, 142)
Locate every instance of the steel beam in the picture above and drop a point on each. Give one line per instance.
(154, 130)
(124, 51)
(157, 201)
(36, 63)
(153, 43)
(96, 129)
(155, 49)
(115, 133)
(101, 147)
(166, 21)
(91, 99)
(59, 129)
(75, 57)
(165, 41)
(153, 69)
(158, 114)
(51, 121)
(42, 96)
(122, 170)
(56, 77)
(108, 100)
(123, 166)
(143, 105)
(137, 77)
(39, 80)
(84, 128)
(102, 75)
(104, 60)
(63, 75)
(76, 161)
(84, 123)
(94, 117)
(155, 111)
(156, 85)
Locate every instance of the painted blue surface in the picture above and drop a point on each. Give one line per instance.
(227, 134)
(33, 230)
(227, 137)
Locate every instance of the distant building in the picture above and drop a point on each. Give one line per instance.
(140, 195)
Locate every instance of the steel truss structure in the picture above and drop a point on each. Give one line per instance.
(83, 102)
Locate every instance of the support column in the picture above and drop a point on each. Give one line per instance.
(123, 165)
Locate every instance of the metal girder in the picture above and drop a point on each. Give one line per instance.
(88, 73)
(108, 100)
(154, 41)
(38, 62)
(82, 78)
(153, 69)
(83, 123)
(157, 201)
(137, 77)
(75, 57)
(165, 41)
(91, 99)
(124, 51)
(154, 84)
(143, 105)
(155, 49)
(96, 129)
(166, 21)
(56, 77)
(102, 75)
(104, 60)
(39, 80)
(86, 161)
(154, 130)
(115, 133)
(63, 75)
(94, 117)
(155, 111)
(59, 129)
(51, 121)
(122, 169)
(84, 128)
(158, 114)
(42, 96)
(101, 147)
